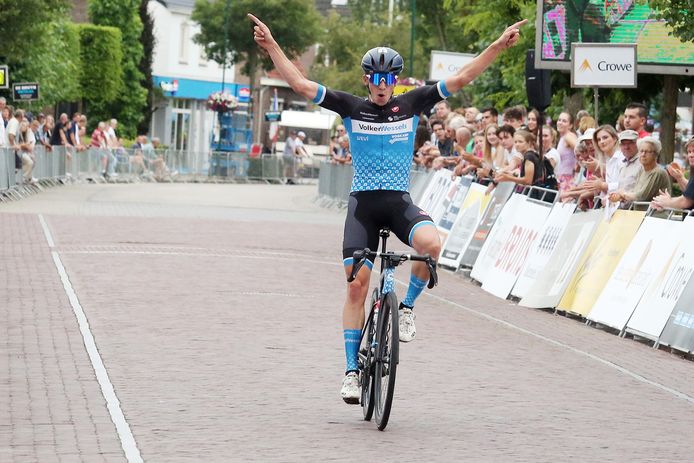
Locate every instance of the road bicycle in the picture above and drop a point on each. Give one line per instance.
(379, 344)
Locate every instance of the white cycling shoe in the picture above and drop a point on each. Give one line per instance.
(350, 388)
(406, 324)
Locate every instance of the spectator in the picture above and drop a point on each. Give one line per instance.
(45, 132)
(533, 121)
(442, 110)
(549, 139)
(7, 115)
(137, 159)
(59, 135)
(512, 159)
(685, 201)
(492, 154)
(635, 119)
(531, 170)
(676, 171)
(25, 143)
(3, 135)
(631, 168)
(342, 155)
(514, 117)
(422, 135)
(585, 123)
(471, 115)
(443, 143)
(489, 116)
(566, 169)
(652, 179)
(79, 122)
(108, 159)
(288, 156)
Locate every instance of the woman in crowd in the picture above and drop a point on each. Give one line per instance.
(652, 180)
(533, 121)
(491, 152)
(676, 171)
(549, 140)
(531, 171)
(567, 142)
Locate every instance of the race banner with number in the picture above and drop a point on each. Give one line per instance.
(470, 212)
(646, 256)
(654, 309)
(598, 263)
(529, 219)
(550, 284)
(494, 244)
(544, 247)
(499, 197)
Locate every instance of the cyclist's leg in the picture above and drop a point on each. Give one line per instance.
(414, 227)
(360, 232)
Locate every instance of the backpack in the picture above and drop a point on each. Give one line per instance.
(548, 179)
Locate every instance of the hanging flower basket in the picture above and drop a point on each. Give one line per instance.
(222, 102)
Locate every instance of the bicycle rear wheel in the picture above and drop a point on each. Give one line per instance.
(387, 357)
(366, 361)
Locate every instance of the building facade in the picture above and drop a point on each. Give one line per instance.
(186, 78)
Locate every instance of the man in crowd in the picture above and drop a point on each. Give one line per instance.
(514, 117)
(489, 116)
(635, 119)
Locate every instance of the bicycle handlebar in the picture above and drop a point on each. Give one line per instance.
(393, 259)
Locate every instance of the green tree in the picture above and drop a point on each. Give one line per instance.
(338, 64)
(294, 24)
(679, 15)
(52, 62)
(148, 42)
(101, 75)
(129, 105)
(22, 21)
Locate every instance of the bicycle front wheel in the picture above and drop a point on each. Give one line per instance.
(366, 361)
(387, 357)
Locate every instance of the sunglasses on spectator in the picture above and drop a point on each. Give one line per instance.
(376, 78)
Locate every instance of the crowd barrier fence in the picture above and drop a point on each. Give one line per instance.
(60, 164)
(628, 271)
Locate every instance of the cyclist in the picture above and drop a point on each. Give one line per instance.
(381, 130)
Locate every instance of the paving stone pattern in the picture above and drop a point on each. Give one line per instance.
(220, 329)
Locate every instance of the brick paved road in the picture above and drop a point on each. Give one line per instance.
(216, 312)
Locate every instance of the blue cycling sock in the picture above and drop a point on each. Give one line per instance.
(414, 290)
(352, 338)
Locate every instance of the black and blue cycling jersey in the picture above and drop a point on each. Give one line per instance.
(381, 137)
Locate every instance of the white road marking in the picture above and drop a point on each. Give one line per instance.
(132, 453)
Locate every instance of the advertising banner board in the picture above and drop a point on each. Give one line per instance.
(494, 244)
(467, 219)
(654, 308)
(598, 263)
(499, 197)
(549, 285)
(453, 204)
(419, 181)
(679, 329)
(544, 247)
(530, 217)
(647, 255)
(437, 210)
(435, 191)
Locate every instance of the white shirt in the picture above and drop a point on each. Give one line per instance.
(3, 135)
(629, 173)
(12, 129)
(613, 167)
(553, 155)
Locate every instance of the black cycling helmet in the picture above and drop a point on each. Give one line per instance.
(382, 59)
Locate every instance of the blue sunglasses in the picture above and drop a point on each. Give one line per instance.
(376, 78)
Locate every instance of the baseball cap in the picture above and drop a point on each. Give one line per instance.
(301, 134)
(587, 135)
(628, 134)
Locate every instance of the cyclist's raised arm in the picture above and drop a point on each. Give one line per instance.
(474, 68)
(290, 73)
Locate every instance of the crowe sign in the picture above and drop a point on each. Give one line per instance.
(603, 65)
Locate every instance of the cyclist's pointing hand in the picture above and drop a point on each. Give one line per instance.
(511, 35)
(261, 33)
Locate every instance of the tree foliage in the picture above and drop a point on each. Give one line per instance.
(128, 106)
(294, 24)
(53, 62)
(22, 22)
(145, 66)
(101, 77)
(679, 15)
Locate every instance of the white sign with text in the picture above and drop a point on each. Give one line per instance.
(445, 63)
(603, 65)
